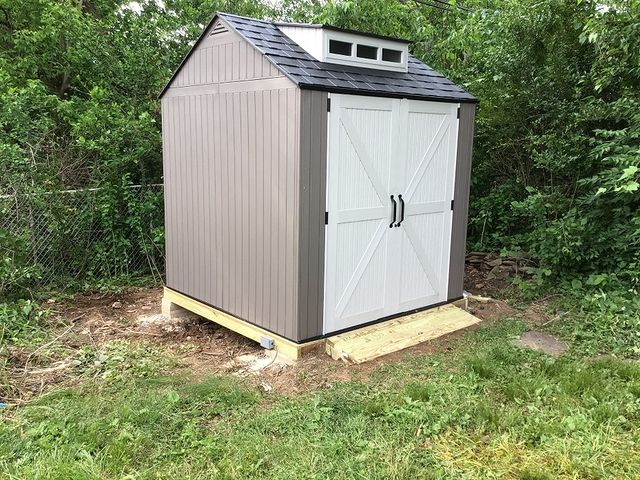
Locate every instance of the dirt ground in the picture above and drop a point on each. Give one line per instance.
(203, 348)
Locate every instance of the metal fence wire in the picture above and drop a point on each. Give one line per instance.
(86, 234)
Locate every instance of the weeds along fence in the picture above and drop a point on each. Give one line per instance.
(88, 235)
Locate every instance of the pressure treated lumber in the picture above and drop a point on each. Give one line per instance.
(383, 338)
(284, 346)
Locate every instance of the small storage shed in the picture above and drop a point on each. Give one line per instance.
(316, 178)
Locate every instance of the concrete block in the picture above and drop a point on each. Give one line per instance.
(173, 311)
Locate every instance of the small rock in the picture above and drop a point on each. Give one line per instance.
(543, 342)
(51, 300)
(266, 388)
(159, 319)
(145, 307)
(116, 305)
(495, 263)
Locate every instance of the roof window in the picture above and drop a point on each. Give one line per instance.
(389, 55)
(340, 48)
(367, 51)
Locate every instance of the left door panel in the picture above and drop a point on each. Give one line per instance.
(358, 240)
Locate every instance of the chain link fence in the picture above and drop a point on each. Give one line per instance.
(85, 235)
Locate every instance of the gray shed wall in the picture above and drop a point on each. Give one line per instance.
(313, 188)
(461, 200)
(231, 129)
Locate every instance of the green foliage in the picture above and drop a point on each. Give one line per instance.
(21, 323)
(558, 133)
(16, 272)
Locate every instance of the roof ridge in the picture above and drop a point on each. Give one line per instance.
(298, 24)
(226, 14)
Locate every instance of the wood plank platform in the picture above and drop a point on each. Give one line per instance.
(391, 336)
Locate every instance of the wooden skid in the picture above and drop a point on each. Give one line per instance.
(284, 346)
(383, 338)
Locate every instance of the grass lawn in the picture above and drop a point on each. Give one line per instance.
(483, 409)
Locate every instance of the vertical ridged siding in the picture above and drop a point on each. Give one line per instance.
(224, 57)
(313, 173)
(461, 200)
(232, 192)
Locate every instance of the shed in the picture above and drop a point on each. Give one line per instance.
(316, 179)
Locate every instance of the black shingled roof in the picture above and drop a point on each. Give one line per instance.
(420, 82)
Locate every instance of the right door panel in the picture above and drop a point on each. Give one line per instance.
(427, 144)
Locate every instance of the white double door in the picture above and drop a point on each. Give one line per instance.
(383, 259)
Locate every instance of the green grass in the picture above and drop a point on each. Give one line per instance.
(483, 410)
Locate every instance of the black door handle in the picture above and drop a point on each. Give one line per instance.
(401, 211)
(394, 205)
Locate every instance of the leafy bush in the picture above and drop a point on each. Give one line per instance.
(21, 323)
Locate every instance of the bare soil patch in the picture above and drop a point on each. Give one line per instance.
(202, 348)
(542, 342)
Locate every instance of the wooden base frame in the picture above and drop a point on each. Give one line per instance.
(284, 346)
(357, 345)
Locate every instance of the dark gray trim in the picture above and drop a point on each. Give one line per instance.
(461, 204)
(312, 191)
(368, 93)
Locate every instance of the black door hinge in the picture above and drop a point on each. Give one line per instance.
(458, 114)
(328, 104)
(326, 218)
(451, 204)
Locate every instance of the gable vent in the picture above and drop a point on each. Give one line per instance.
(217, 29)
